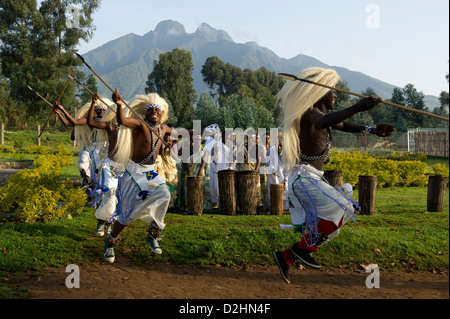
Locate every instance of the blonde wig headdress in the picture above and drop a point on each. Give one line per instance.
(83, 132)
(141, 102)
(296, 98)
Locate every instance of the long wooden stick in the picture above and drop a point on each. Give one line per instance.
(59, 98)
(40, 96)
(126, 104)
(90, 91)
(295, 78)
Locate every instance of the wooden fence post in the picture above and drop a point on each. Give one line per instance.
(73, 131)
(437, 186)
(367, 186)
(38, 134)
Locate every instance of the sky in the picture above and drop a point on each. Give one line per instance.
(395, 41)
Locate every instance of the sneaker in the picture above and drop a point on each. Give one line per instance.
(154, 245)
(284, 268)
(108, 229)
(100, 231)
(305, 256)
(109, 254)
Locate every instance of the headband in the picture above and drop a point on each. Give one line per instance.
(153, 105)
(100, 107)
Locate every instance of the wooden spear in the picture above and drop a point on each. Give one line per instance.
(51, 112)
(40, 96)
(90, 91)
(126, 104)
(295, 78)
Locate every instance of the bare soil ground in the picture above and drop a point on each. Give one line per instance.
(123, 280)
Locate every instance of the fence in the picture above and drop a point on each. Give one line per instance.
(429, 142)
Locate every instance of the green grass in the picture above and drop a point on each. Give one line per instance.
(400, 235)
(26, 139)
(71, 171)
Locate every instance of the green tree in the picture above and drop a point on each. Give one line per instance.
(212, 72)
(378, 114)
(206, 111)
(444, 100)
(37, 48)
(397, 117)
(84, 95)
(415, 99)
(172, 79)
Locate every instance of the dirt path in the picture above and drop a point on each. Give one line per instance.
(122, 280)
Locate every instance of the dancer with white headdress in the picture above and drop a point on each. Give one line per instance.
(109, 170)
(91, 152)
(142, 193)
(317, 209)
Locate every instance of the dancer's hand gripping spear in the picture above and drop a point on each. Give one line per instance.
(51, 112)
(126, 104)
(90, 91)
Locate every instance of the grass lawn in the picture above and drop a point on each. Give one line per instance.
(400, 235)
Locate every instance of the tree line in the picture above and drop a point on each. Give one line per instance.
(37, 47)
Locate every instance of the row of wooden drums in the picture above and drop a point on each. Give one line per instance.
(238, 191)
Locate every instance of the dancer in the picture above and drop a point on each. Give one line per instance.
(142, 193)
(109, 170)
(166, 167)
(91, 153)
(317, 209)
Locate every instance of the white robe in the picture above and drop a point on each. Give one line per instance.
(84, 162)
(143, 195)
(97, 153)
(106, 190)
(221, 159)
(311, 198)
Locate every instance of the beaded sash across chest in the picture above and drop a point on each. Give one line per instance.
(155, 142)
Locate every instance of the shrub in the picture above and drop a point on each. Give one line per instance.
(35, 194)
(440, 169)
(389, 169)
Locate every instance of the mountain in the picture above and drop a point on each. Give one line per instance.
(126, 62)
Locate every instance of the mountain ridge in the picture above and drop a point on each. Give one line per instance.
(126, 61)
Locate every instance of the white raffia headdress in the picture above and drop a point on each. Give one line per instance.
(296, 98)
(83, 132)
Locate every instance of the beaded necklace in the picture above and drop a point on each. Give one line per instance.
(155, 142)
(324, 156)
